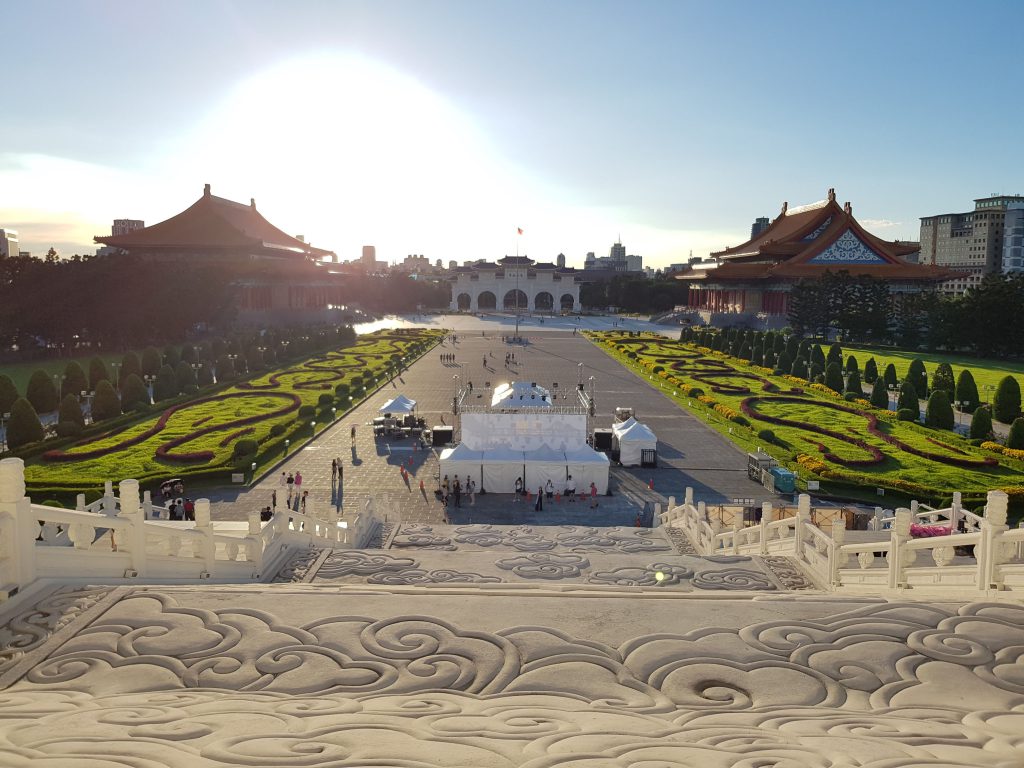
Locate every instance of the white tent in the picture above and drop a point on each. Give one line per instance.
(632, 441)
(543, 464)
(501, 467)
(400, 405)
(588, 466)
(461, 461)
(622, 426)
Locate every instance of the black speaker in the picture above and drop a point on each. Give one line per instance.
(441, 435)
(602, 439)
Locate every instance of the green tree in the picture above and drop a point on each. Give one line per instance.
(834, 377)
(852, 364)
(853, 383)
(42, 392)
(226, 368)
(184, 376)
(1006, 404)
(130, 365)
(8, 393)
(817, 357)
(166, 385)
(783, 364)
(879, 394)
(870, 371)
(97, 373)
(835, 355)
(967, 391)
(942, 378)
(134, 393)
(74, 381)
(105, 404)
(908, 398)
(171, 356)
(939, 413)
(918, 376)
(1015, 439)
(981, 424)
(889, 376)
(151, 361)
(799, 368)
(23, 427)
(71, 410)
(204, 376)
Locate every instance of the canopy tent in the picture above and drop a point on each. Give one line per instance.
(588, 466)
(520, 394)
(400, 404)
(622, 426)
(461, 460)
(632, 441)
(543, 464)
(500, 468)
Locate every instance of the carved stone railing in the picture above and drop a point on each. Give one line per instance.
(112, 538)
(988, 558)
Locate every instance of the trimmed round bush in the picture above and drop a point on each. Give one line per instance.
(341, 392)
(981, 424)
(68, 429)
(97, 373)
(879, 394)
(71, 411)
(184, 376)
(42, 392)
(276, 430)
(834, 377)
(245, 447)
(191, 389)
(767, 435)
(908, 398)
(967, 391)
(134, 393)
(325, 400)
(130, 364)
(1015, 439)
(23, 427)
(694, 392)
(939, 413)
(1006, 404)
(905, 414)
(106, 404)
(741, 420)
(305, 411)
(8, 393)
(74, 380)
(166, 385)
(870, 371)
(851, 396)
(151, 361)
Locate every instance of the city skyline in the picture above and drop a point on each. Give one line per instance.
(440, 129)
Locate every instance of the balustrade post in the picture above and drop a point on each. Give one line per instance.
(80, 502)
(803, 519)
(955, 512)
(254, 542)
(688, 498)
(133, 537)
(209, 545)
(108, 506)
(766, 517)
(657, 515)
(878, 519)
(898, 557)
(18, 528)
(989, 553)
(836, 557)
(736, 528)
(147, 505)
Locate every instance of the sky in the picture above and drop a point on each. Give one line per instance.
(440, 128)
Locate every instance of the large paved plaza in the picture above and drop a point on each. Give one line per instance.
(690, 454)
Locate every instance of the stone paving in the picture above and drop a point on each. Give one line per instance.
(690, 454)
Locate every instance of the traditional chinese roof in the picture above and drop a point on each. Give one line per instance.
(809, 240)
(215, 223)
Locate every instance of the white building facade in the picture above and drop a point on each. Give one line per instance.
(515, 283)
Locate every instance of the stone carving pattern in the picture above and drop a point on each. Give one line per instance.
(882, 686)
(787, 572)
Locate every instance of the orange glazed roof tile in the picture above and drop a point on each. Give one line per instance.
(214, 222)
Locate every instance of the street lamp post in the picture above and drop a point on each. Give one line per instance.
(286, 444)
(893, 388)
(312, 428)
(150, 378)
(3, 427)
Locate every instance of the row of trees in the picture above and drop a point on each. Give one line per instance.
(635, 294)
(173, 371)
(862, 309)
(787, 354)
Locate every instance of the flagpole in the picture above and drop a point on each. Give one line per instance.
(519, 233)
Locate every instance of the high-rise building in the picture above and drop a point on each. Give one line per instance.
(617, 252)
(8, 243)
(1013, 238)
(634, 263)
(971, 244)
(369, 255)
(760, 225)
(560, 261)
(124, 226)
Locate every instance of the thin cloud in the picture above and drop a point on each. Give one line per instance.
(880, 223)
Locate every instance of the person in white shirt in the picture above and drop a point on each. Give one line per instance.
(570, 489)
(549, 489)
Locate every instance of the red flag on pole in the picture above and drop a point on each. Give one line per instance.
(519, 230)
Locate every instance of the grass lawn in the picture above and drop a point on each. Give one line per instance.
(197, 437)
(20, 373)
(985, 372)
(849, 445)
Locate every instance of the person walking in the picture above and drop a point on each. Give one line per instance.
(539, 505)
(353, 435)
(273, 500)
(519, 489)
(549, 489)
(291, 487)
(334, 469)
(284, 479)
(303, 505)
(472, 493)
(458, 493)
(298, 480)
(570, 489)
(593, 496)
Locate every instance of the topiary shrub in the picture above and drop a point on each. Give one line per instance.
(134, 393)
(97, 373)
(918, 376)
(71, 411)
(166, 385)
(657, 369)
(68, 429)
(1006, 404)
(244, 447)
(42, 392)
(191, 389)
(151, 361)
(105, 405)
(74, 380)
(276, 430)
(767, 435)
(204, 376)
(741, 420)
(853, 384)
(23, 427)
(305, 411)
(835, 355)
(8, 393)
(834, 377)
(905, 414)
(879, 394)
(981, 424)
(870, 371)
(908, 398)
(966, 391)
(851, 396)
(942, 378)
(694, 392)
(184, 376)
(889, 376)
(325, 400)
(130, 364)
(939, 413)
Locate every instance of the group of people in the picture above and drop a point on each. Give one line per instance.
(447, 357)
(296, 499)
(548, 491)
(453, 490)
(181, 509)
(510, 359)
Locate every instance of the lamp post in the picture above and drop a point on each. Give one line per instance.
(287, 442)
(312, 428)
(150, 378)
(961, 404)
(334, 413)
(117, 373)
(4, 418)
(989, 389)
(252, 473)
(892, 389)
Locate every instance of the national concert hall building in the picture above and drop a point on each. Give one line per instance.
(751, 283)
(277, 278)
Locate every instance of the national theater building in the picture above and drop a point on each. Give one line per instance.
(751, 282)
(278, 278)
(515, 282)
